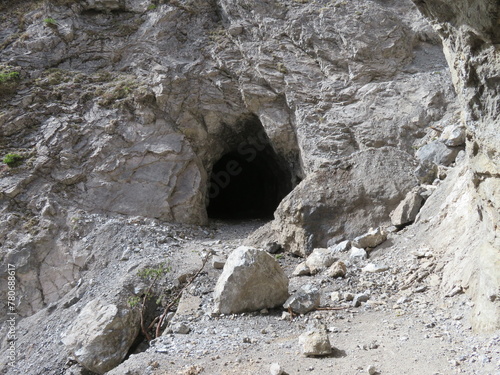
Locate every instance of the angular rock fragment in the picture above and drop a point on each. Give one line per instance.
(438, 153)
(407, 210)
(101, 335)
(453, 135)
(374, 268)
(301, 270)
(341, 247)
(252, 280)
(357, 254)
(315, 343)
(337, 269)
(305, 299)
(372, 238)
(358, 298)
(320, 259)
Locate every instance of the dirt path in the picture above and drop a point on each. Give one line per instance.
(399, 330)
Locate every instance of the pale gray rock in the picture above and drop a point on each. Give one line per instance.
(315, 343)
(301, 270)
(308, 217)
(341, 247)
(337, 269)
(359, 298)
(180, 328)
(370, 239)
(453, 135)
(426, 172)
(101, 335)
(306, 299)
(357, 254)
(218, 262)
(250, 281)
(320, 259)
(407, 210)
(275, 369)
(374, 268)
(438, 153)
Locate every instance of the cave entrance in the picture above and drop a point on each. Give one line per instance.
(248, 182)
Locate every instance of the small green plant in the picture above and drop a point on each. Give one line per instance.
(154, 273)
(282, 68)
(133, 301)
(151, 7)
(278, 256)
(13, 160)
(6, 76)
(49, 21)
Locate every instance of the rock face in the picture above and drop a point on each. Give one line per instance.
(133, 123)
(101, 335)
(470, 200)
(119, 108)
(251, 280)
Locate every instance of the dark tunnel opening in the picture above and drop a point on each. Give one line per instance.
(248, 183)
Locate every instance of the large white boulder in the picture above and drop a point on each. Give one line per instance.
(251, 280)
(101, 335)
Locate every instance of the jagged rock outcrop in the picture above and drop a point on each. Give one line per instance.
(124, 108)
(469, 200)
(119, 108)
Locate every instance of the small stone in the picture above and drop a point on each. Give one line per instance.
(426, 172)
(358, 299)
(320, 259)
(357, 254)
(373, 268)
(371, 239)
(235, 30)
(454, 291)
(335, 296)
(341, 247)
(180, 328)
(307, 298)
(272, 247)
(453, 135)
(218, 262)
(285, 315)
(276, 369)
(301, 270)
(337, 269)
(402, 300)
(437, 152)
(420, 289)
(407, 210)
(315, 343)
(349, 296)
(371, 370)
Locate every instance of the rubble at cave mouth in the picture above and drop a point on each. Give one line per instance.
(248, 183)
